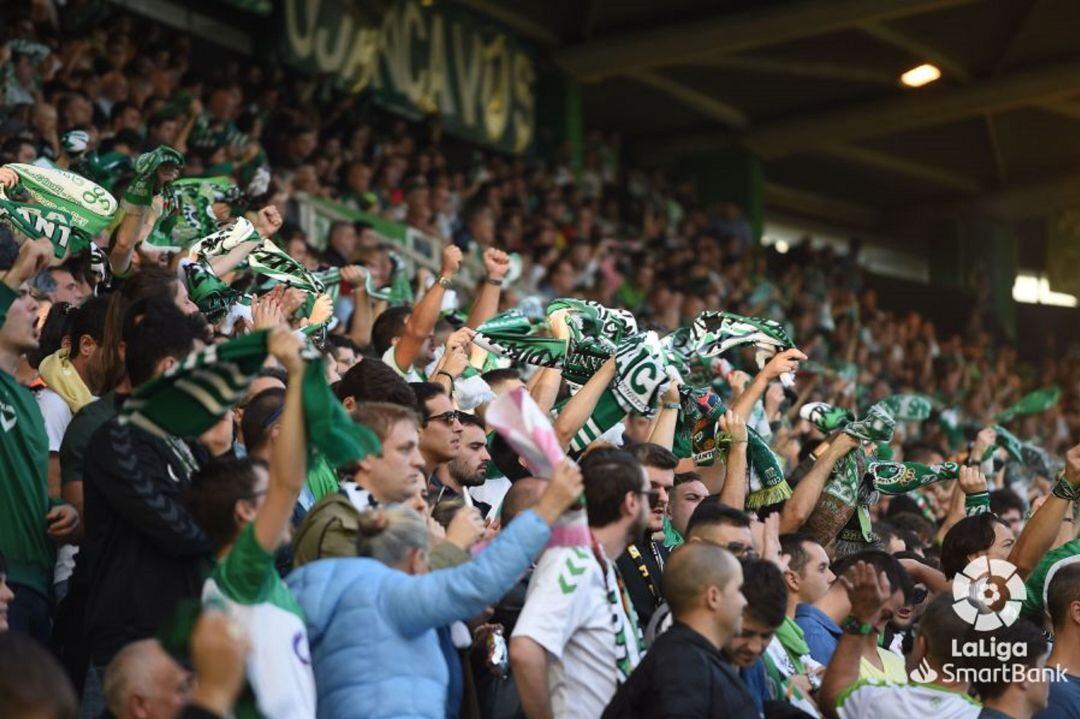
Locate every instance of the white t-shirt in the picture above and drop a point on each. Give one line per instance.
(867, 699)
(568, 612)
(491, 492)
(410, 375)
(57, 416)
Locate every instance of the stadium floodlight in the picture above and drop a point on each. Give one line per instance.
(922, 75)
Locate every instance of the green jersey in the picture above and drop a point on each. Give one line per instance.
(24, 491)
(279, 664)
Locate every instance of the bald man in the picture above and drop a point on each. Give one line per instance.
(144, 682)
(684, 673)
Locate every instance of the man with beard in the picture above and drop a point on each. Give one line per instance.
(468, 469)
(577, 637)
(642, 564)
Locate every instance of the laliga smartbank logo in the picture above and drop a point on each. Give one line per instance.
(987, 594)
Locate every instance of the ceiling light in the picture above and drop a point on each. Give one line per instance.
(921, 75)
(782, 247)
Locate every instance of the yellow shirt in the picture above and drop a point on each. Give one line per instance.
(893, 670)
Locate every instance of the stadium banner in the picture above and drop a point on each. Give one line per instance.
(317, 214)
(422, 59)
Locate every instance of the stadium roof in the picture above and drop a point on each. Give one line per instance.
(812, 87)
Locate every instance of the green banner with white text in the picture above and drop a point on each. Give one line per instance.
(422, 59)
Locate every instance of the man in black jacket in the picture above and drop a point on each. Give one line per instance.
(144, 551)
(684, 673)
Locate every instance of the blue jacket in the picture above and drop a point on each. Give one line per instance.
(372, 629)
(821, 632)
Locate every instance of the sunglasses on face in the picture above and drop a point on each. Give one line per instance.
(918, 596)
(654, 497)
(446, 417)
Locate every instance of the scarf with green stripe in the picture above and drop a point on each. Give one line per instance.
(902, 477)
(195, 393)
(213, 297)
(66, 208)
(399, 291)
(1032, 403)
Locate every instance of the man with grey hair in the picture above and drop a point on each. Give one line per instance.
(144, 682)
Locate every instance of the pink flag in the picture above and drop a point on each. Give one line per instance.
(525, 427)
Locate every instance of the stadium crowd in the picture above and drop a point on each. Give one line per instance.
(249, 472)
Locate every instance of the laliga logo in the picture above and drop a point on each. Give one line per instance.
(988, 594)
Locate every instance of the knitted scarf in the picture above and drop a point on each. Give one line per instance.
(195, 393)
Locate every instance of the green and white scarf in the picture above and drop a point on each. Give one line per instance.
(193, 198)
(1038, 401)
(66, 208)
(640, 378)
(512, 335)
(1005, 440)
(271, 261)
(902, 477)
(909, 407)
(192, 395)
(826, 417)
(714, 333)
(140, 192)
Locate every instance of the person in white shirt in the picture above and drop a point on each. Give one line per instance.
(577, 638)
(935, 691)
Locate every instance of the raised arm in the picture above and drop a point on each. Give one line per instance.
(667, 417)
(733, 493)
(363, 318)
(807, 492)
(486, 304)
(288, 464)
(417, 604)
(544, 387)
(577, 411)
(781, 363)
(868, 591)
(425, 313)
(1042, 529)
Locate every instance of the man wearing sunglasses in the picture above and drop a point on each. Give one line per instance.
(440, 432)
(642, 564)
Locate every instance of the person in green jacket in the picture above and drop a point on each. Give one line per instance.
(30, 521)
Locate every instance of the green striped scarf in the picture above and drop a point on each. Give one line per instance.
(195, 393)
